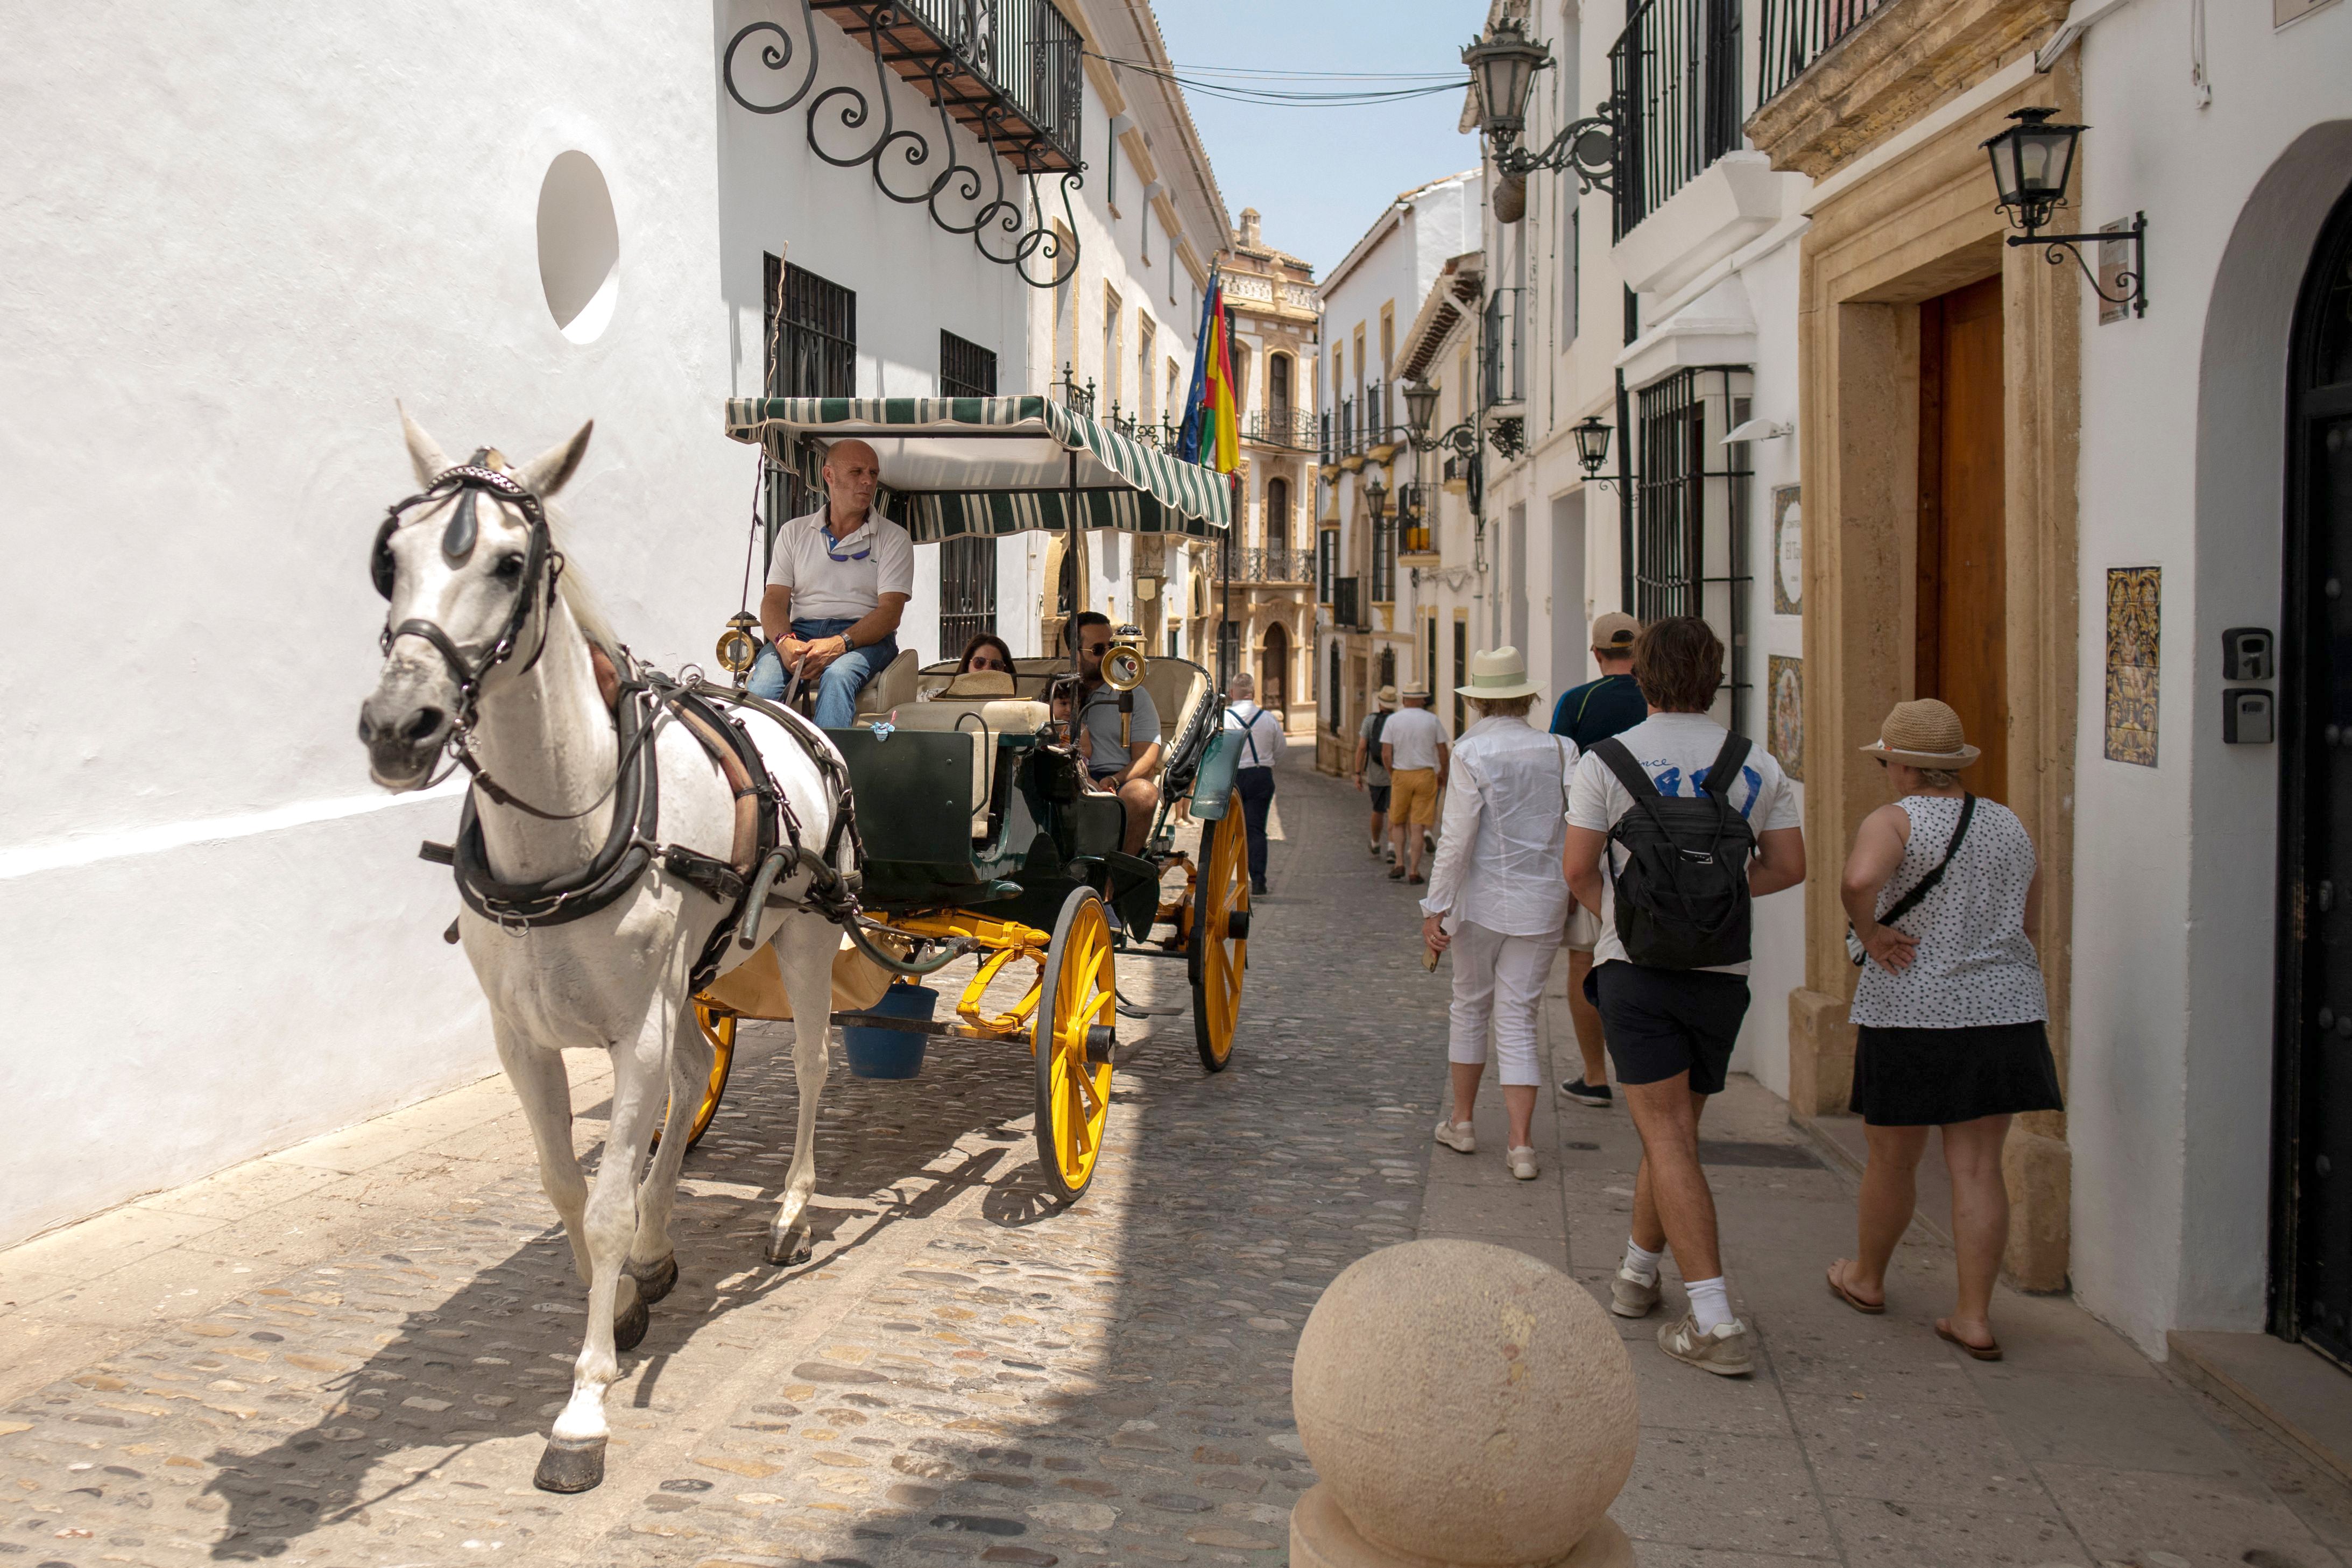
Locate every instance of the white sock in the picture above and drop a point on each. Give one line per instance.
(1710, 1302)
(1641, 1262)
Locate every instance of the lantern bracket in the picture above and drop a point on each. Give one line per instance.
(2131, 281)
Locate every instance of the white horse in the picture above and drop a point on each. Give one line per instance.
(615, 981)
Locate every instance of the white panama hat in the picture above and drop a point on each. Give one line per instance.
(1497, 676)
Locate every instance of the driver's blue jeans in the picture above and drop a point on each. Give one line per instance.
(838, 688)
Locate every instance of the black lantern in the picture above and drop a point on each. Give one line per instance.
(1503, 65)
(1376, 495)
(2031, 163)
(1591, 444)
(1420, 410)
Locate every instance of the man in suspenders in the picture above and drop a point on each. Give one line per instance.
(1259, 733)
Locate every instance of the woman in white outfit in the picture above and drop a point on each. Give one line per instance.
(1495, 897)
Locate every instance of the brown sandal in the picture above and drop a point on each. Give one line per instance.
(1837, 1288)
(1981, 1352)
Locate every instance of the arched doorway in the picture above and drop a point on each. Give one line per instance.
(2311, 1291)
(1274, 669)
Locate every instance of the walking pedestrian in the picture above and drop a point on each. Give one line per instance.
(1695, 823)
(1496, 898)
(1413, 750)
(1594, 711)
(1261, 739)
(1370, 775)
(1950, 1016)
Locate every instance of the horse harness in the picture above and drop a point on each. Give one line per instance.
(768, 842)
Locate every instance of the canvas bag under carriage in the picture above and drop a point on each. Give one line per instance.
(1682, 898)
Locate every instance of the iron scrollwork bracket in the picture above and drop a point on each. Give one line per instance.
(1586, 148)
(2131, 282)
(1033, 235)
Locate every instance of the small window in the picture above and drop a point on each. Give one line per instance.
(811, 339)
(1690, 555)
(966, 370)
(1278, 386)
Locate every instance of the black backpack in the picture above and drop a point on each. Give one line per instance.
(1682, 900)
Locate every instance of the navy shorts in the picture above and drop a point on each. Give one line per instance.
(1379, 798)
(1662, 1022)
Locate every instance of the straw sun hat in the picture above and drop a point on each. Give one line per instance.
(1923, 734)
(1498, 676)
(1388, 696)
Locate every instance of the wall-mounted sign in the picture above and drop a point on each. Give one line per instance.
(1788, 551)
(1784, 686)
(2134, 599)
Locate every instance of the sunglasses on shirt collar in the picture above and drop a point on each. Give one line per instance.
(860, 553)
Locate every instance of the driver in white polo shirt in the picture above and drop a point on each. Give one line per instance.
(838, 582)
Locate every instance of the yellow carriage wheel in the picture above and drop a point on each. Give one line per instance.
(1077, 995)
(719, 1028)
(1218, 951)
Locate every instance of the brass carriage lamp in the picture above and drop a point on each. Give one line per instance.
(1420, 410)
(738, 645)
(1123, 664)
(1591, 444)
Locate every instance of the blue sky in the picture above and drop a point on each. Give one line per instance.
(1320, 176)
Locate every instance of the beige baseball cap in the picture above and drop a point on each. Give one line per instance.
(1614, 632)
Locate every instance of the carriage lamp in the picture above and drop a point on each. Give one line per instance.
(738, 645)
(1591, 444)
(1503, 67)
(1123, 663)
(2031, 162)
(1420, 410)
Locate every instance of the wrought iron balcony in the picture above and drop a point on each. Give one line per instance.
(1277, 564)
(1291, 427)
(1417, 538)
(1675, 72)
(1797, 32)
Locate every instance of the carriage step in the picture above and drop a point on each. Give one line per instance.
(1131, 1010)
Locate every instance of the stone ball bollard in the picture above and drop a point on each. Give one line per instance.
(1463, 1404)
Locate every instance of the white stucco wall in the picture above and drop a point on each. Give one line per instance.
(235, 237)
(2182, 468)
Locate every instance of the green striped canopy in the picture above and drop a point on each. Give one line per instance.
(957, 466)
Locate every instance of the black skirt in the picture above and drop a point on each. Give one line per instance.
(1933, 1078)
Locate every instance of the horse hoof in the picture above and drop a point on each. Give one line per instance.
(629, 1329)
(654, 1280)
(788, 1247)
(571, 1465)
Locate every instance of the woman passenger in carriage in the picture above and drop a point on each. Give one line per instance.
(986, 651)
(838, 583)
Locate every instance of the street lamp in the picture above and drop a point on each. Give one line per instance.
(2031, 162)
(1376, 496)
(1420, 410)
(1591, 444)
(1503, 67)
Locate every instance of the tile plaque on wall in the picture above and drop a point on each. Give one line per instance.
(1784, 686)
(2134, 596)
(1788, 551)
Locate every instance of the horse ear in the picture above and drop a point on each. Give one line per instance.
(424, 453)
(547, 473)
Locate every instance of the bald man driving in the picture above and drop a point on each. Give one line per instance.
(838, 583)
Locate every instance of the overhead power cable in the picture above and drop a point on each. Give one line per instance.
(1239, 88)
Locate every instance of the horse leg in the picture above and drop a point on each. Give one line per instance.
(544, 1088)
(574, 1458)
(653, 1258)
(804, 950)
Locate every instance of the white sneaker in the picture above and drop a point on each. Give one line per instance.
(1388, 853)
(1522, 1161)
(1457, 1135)
(1374, 844)
(1724, 1350)
(1630, 1297)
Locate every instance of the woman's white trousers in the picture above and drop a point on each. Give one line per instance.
(1498, 984)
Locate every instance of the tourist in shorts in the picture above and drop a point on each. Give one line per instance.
(1413, 750)
(1370, 775)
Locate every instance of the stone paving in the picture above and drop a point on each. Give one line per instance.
(349, 1353)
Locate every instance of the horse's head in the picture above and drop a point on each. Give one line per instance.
(467, 567)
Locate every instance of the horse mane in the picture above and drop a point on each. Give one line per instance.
(578, 593)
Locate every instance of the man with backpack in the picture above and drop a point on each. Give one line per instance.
(1693, 824)
(1370, 775)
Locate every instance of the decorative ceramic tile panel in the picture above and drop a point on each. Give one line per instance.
(1785, 686)
(2134, 594)
(1788, 551)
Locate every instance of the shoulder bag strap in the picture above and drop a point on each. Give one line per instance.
(1926, 884)
(1727, 762)
(1562, 750)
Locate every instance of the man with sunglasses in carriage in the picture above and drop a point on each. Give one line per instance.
(837, 582)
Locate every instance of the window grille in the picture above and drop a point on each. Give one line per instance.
(1691, 520)
(1331, 687)
(966, 370)
(1675, 72)
(1499, 348)
(1327, 562)
(1461, 670)
(1384, 542)
(813, 352)
(967, 591)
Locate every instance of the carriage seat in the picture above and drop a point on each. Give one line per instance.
(895, 686)
(984, 718)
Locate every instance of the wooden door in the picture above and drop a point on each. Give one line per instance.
(1962, 652)
(1274, 669)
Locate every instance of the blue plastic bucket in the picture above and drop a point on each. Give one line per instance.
(891, 1053)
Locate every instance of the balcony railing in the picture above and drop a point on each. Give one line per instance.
(1360, 424)
(1417, 538)
(1276, 564)
(1797, 32)
(1023, 54)
(1292, 428)
(1675, 69)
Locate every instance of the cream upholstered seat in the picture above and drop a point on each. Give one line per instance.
(895, 686)
(984, 718)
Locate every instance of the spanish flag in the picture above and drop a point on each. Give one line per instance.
(1212, 433)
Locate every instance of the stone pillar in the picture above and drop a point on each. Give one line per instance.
(1463, 1403)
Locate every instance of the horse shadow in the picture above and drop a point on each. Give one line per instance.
(492, 1360)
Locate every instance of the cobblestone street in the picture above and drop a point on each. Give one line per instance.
(349, 1353)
